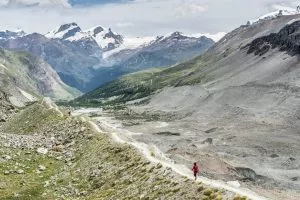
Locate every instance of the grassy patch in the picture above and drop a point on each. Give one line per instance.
(32, 119)
(30, 183)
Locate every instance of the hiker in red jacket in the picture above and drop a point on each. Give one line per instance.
(195, 170)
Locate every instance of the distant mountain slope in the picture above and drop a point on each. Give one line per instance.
(25, 77)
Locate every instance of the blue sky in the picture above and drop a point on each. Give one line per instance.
(136, 17)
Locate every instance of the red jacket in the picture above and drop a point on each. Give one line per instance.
(195, 169)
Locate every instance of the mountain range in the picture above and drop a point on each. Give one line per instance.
(88, 59)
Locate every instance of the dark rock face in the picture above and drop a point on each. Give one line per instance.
(66, 26)
(71, 33)
(287, 39)
(117, 38)
(97, 30)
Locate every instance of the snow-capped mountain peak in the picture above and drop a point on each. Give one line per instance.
(106, 38)
(65, 31)
(177, 36)
(5, 35)
(280, 11)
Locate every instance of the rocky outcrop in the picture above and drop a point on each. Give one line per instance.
(287, 39)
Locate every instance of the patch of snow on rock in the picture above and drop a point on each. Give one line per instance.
(281, 10)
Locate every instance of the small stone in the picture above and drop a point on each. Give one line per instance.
(42, 168)
(6, 172)
(7, 157)
(6, 145)
(82, 129)
(20, 171)
(59, 158)
(16, 195)
(3, 185)
(69, 154)
(47, 184)
(274, 156)
(59, 148)
(42, 150)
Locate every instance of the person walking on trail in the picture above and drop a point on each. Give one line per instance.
(195, 170)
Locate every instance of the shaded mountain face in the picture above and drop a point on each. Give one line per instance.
(23, 78)
(77, 55)
(242, 95)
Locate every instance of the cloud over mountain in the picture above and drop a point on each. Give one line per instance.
(34, 3)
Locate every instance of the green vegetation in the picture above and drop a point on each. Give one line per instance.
(142, 84)
(30, 184)
(31, 120)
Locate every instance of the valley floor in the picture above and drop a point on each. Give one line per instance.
(230, 157)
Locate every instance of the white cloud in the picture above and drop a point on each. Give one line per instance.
(188, 8)
(140, 17)
(124, 24)
(33, 3)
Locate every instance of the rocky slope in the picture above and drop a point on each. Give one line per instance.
(236, 107)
